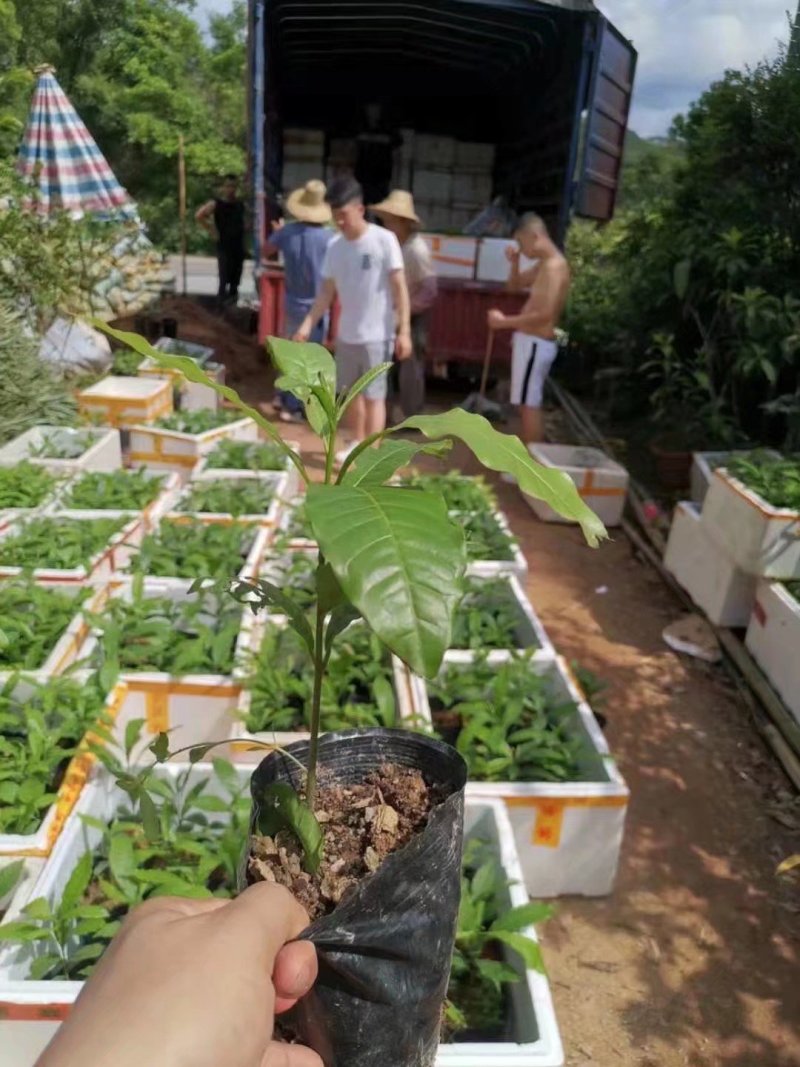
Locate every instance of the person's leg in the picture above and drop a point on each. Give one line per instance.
(235, 277)
(532, 429)
(351, 363)
(375, 416)
(411, 372)
(355, 419)
(376, 392)
(532, 398)
(222, 267)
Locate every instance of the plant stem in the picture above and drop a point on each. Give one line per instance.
(316, 699)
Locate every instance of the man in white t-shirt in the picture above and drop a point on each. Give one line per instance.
(364, 267)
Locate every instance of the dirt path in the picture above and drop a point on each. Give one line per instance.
(694, 958)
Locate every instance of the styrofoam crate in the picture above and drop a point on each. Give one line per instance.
(724, 592)
(152, 512)
(294, 544)
(493, 568)
(762, 540)
(193, 396)
(102, 453)
(530, 632)
(493, 265)
(160, 449)
(705, 463)
(472, 157)
(262, 535)
(79, 775)
(433, 186)
(472, 188)
(293, 479)
(125, 401)
(102, 566)
(601, 482)
(773, 638)
(569, 834)
(453, 257)
(431, 150)
(271, 517)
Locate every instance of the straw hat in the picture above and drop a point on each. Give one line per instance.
(308, 204)
(400, 204)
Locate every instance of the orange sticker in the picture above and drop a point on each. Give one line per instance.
(157, 711)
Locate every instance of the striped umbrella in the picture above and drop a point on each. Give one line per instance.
(60, 157)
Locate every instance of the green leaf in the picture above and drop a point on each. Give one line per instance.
(499, 974)
(503, 452)
(304, 367)
(149, 813)
(329, 592)
(199, 752)
(361, 384)
(280, 808)
(226, 773)
(160, 747)
(38, 909)
(22, 931)
(399, 559)
(133, 733)
(78, 882)
(10, 875)
(375, 466)
(522, 917)
(121, 858)
(271, 594)
(340, 619)
(680, 276)
(484, 881)
(523, 946)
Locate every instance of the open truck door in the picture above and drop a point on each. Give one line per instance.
(611, 65)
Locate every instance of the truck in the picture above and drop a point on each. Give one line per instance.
(520, 103)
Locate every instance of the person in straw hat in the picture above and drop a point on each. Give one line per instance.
(303, 244)
(398, 215)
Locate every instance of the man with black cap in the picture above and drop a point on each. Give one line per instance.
(364, 267)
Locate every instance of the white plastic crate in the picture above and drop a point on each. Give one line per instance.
(271, 517)
(102, 566)
(601, 482)
(493, 568)
(102, 452)
(705, 570)
(530, 632)
(569, 834)
(762, 540)
(773, 638)
(124, 401)
(160, 449)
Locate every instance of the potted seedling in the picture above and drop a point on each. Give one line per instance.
(177, 440)
(365, 826)
(192, 549)
(63, 450)
(238, 496)
(70, 550)
(229, 456)
(41, 627)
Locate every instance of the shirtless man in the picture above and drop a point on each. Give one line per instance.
(534, 345)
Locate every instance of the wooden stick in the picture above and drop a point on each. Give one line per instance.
(182, 206)
(788, 759)
(487, 359)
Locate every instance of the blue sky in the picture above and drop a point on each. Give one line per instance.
(683, 46)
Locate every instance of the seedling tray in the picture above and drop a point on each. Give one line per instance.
(277, 482)
(152, 512)
(160, 449)
(123, 401)
(530, 633)
(292, 486)
(251, 565)
(103, 452)
(491, 568)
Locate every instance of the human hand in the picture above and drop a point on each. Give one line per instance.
(402, 345)
(277, 224)
(496, 319)
(303, 331)
(194, 981)
(512, 254)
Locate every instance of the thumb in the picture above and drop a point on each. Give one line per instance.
(268, 915)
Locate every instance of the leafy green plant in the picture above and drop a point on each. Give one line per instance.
(489, 616)
(32, 619)
(794, 590)
(389, 555)
(200, 421)
(504, 721)
(10, 875)
(479, 978)
(25, 485)
(297, 528)
(57, 543)
(485, 537)
(244, 496)
(126, 363)
(460, 492)
(357, 689)
(120, 490)
(775, 480)
(194, 549)
(67, 445)
(246, 455)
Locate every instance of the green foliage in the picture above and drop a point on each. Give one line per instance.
(793, 589)
(32, 619)
(24, 485)
(196, 422)
(57, 544)
(126, 363)
(505, 722)
(489, 617)
(194, 550)
(460, 492)
(120, 490)
(244, 496)
(69, 444)
(775, 480)
(486, 538)
(246, 455)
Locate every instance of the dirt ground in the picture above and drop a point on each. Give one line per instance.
(694, 959)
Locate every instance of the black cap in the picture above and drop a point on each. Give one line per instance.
(343, 191)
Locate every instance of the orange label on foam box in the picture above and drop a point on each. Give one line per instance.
(549, 820)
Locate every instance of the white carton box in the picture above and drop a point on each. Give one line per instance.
(430, 150)
(102, 450)
(773, 638)
(472, 188)
(601, 482)
(493, 265)
(453, 257)
(762, 540)
(434, 186)
(705, 570)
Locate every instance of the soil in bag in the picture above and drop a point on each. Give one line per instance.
(385, 901)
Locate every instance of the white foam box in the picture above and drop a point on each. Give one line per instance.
(703, 466)
(101, 567)
(706, 571)
(530, 633)
(493, 568)
(532, 1037)
(151, 513)
(430, 150)
(261, 537)
(453, 257)
(124, 401)
(102, 452)
(762, 540)
(19, 895)
(773, 638)
(193, 397)
(295, 175)
(79, 775)
(277, 481)
(601, 482)
(493, 264)
(475, 158)
(160, 449)
(433, 186)
(288, 492)
(472, 188)
(569, 834)
(195, 708)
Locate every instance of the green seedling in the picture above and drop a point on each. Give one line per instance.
(65, 446)
(32, 619)
(774, 479)
(195, 422)
(194, 550)
(460, 493)
(25, 485)
(126, 363)
(505, 722)
(489, 617)
(246, 455)
(298, 528)
(57, 543)
(120, 490)
(219, 496)
(485, 537)
(390, 555)
(794, 590)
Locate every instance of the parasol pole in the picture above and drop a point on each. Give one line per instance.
(182, 206)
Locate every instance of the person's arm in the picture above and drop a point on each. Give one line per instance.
(519, 280)
(549, 307)
(194, 981)
(322, 304)
(402, 308)
(423, 296)
(275, 243)
(205, 217)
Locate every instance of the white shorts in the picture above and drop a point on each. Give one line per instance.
(531, 360)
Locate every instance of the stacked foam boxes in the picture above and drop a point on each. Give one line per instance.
(303, 157)
(432, 185)
(472, 181)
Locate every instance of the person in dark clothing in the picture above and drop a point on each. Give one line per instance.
(223, 218)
